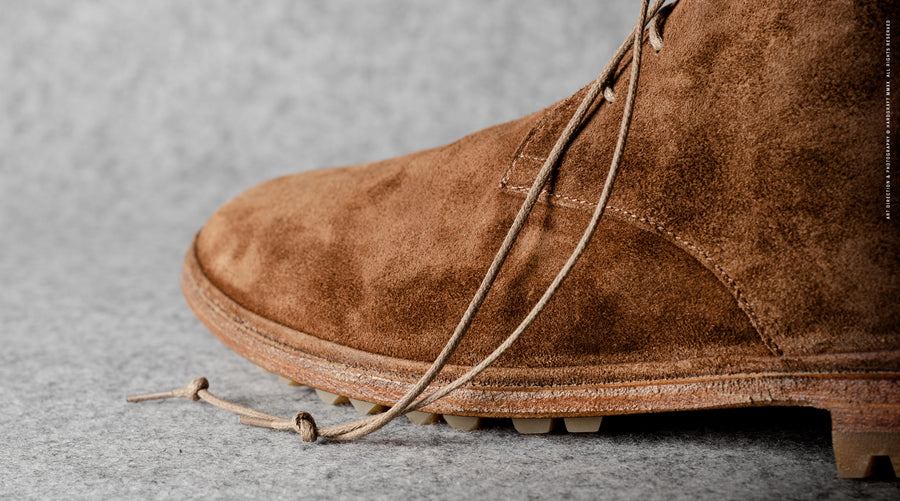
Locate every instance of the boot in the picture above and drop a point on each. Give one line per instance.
(743, 255)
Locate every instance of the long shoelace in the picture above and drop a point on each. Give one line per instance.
(305, 425)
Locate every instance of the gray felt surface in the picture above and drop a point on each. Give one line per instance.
(126, 123)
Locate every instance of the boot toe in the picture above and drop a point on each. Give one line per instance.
(359, 258)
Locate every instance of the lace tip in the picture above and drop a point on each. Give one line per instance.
(255, 421)
(143, 397)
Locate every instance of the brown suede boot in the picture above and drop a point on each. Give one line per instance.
(745, 256)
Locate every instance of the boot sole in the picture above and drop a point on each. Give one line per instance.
(864, 406)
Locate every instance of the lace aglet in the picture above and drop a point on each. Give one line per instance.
(191, 392)
(143, 397)
(255, 421)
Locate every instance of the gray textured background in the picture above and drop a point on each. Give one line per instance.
(126, 123)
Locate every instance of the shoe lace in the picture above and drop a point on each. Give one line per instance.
(305, 425)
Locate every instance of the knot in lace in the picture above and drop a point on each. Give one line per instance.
(192, 390)
(305, 425)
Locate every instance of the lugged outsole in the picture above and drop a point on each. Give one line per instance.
(839, 382)
(860, 435)
(857, 444)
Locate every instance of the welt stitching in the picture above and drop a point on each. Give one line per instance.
(731, 282)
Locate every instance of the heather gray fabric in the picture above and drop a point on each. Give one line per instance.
(126, 123)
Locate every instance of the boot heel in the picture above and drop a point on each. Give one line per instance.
(861, 435)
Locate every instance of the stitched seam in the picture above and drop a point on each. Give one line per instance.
(521, 154)
(512, 166)
(541, 125)
(736, 290)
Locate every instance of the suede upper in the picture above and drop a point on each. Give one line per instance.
(758, 147)
(746, 220)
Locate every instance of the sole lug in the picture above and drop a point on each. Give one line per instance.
(463, 423)
(422, 418)
(331, 398)
(533, 426)
(855, 452)
(863, 433)
(583, 424)
(288, 382)
(364, 407)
